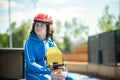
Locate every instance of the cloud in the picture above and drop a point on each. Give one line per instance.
(15, 17)
(63, 13)
(4, 4)
(5, 17)
(18, 16)
(56, 1)
(113, 0)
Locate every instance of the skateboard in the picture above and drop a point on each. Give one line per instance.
(54, 58)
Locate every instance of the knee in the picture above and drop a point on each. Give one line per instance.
(38, 77)
(69, 78)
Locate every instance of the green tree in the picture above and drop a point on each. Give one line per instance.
(66, 38)
(106, 21)
(58, 38)
(70, 34)
(79, 31)
(4, 41)
(117, 25)
(5, 38)
(68, 45)
(21, 33)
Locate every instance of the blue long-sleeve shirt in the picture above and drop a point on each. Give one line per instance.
(35, 54)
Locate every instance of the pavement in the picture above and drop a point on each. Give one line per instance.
(78, 76)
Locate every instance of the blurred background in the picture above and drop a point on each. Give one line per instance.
(74, 20)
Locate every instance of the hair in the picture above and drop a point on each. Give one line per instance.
(48, 33)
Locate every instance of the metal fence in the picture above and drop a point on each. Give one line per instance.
(104, 48)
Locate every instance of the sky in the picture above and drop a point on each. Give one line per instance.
(89, 11)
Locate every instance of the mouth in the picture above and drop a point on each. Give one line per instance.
(37, 30)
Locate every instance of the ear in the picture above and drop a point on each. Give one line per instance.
(51, 29)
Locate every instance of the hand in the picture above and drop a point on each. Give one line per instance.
(62, 75)
(55, 75)
(58, 75)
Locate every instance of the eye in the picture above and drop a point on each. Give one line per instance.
(36, 25)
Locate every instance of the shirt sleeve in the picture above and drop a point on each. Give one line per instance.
(30, 60)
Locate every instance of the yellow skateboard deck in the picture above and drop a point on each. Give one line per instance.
(54, 55)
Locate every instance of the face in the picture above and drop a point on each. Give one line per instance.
(40, 29)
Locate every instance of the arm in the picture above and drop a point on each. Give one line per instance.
(59, 75)
(30, 60)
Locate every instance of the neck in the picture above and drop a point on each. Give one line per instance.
(42, 37)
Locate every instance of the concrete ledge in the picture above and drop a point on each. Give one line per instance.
(110, 72)
(93, 69)
(117, 73)
(106, 71)
(101, 70)
(76, 66)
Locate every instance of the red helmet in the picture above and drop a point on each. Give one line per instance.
(43, 17)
